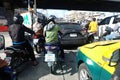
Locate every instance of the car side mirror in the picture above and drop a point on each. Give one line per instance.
(112, 63)
(114, 58)
(2, 42)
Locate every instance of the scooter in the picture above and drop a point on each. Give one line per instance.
(17, 58)
(52, 57)
(6, 72)
(38, 43)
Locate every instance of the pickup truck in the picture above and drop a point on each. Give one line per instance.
(110, 21)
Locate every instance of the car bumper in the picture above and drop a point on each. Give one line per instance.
(73, 42)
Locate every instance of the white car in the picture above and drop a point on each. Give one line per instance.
(108, 21)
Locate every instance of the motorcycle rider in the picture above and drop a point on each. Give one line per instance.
(17, 33)
(38, 29)
(52, 33)
(93, 26)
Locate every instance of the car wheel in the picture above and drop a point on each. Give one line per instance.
(83, 73)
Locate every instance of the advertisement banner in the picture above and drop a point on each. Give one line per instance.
(27, 19)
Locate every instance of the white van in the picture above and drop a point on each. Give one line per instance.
(108, 21)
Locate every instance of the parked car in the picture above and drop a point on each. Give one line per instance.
(98, 60)
(72, 34)
(110, 21)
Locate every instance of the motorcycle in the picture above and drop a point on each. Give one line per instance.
(38, 43)
(52, 57)
(92, 36)
(6, 73)
(17, 58)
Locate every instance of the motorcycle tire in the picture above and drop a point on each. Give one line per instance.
(90, 39)
(53, 69)
(9, 77)
(38, 49)
(13, 78)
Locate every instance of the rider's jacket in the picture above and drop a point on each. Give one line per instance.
(51, 36)
(17, 33)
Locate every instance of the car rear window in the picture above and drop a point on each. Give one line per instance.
(70, 26)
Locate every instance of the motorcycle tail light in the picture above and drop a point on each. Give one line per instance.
(50, 47)
(35, 37)
(46, 47)
(53, 47)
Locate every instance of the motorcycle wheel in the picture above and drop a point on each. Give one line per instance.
(10, 77)
(53, 69)
(90, 39)
(13, 78)
(38, 48)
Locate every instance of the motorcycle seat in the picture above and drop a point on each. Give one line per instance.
(51, 44)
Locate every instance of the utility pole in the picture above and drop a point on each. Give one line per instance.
(29, 5)
(35, 7)
(31, 12)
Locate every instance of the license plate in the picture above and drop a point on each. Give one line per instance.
(96, 37)
(73, 35)
(8, 60)
(49, 57)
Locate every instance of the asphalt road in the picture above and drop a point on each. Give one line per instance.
(67, 71)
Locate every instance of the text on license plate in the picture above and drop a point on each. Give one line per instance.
(73, 35)
(49, 57)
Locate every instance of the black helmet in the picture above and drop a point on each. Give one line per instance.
(39, 20)
(18, 19)
(51, 18)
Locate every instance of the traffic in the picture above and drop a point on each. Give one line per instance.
(37, 36)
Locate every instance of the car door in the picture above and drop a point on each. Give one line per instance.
(113, 22)
(102, 25)
(108, 69)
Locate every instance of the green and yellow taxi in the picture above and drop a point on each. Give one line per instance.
(98, 60)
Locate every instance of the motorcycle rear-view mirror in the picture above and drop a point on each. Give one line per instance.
(2, 42)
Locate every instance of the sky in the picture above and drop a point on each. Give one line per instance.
(48, 12)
